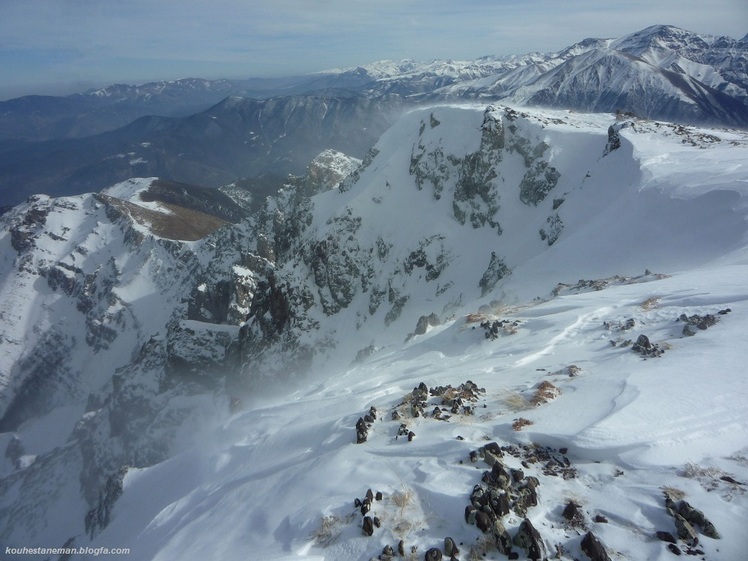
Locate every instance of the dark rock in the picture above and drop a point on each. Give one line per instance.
(643, 342)
(685, 530)
(450, 547)
(528, 538)
(600, 519)
(593, 548)
(614, 139)
(362, 431)
(644, 347)
(696, 517)
(483, 521)
(424, 322)
(499, 502)
(365, 506)
(470, 514)
(665, 536)
(503, 539)
(675, 549)
(377, 522)
(411, 436)
(495, 271)
(370, 495)
(517, 475)
(512, 555)
(433, 554)
(527, 497)
(494, 448)
(573, 514)
(378, 496)
(401, 548)
(499, 476)
(368, 526)
(388, 551)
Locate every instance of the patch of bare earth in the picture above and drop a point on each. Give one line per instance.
(181, 224)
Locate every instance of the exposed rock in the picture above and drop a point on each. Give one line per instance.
(433, 554)
(528, 538)
(476, 197)
(573, 514)
(538, 182)
(98, 518)
(503, 539)
(495, 271)
(483, 521)
(614, 139)
(450, 547)
(593, 548)
(555, 227)
(362, 431)
(696, 518)
(646, 348)
(665, 537)
(424, 322)
(685, 531)
(368, 526)
(697, 322)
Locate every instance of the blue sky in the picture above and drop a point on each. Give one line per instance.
(64, 46)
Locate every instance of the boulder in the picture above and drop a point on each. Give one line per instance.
(433, 554)
(528, 538)
(593, 548)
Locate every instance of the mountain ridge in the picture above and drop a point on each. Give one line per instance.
(129, 359)
(661, 72)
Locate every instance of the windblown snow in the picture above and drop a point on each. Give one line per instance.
(571, 287)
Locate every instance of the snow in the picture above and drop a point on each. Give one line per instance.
(264, 479)
(261, 482)
(277, 478)
(132, 189)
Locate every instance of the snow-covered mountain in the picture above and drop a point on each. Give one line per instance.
(568, 286)
(661, 72)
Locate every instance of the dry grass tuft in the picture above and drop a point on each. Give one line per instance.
(651, 303)
(330, 527)
(692, 471)
(402, 499)
(673, 492)
(475, 318)
(571, 371)
(514, 400)
(520, 423)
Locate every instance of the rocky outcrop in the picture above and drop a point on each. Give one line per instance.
(495, 271)
(476, 195)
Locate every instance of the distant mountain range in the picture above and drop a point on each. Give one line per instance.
(212, 133)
